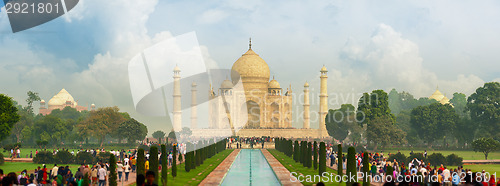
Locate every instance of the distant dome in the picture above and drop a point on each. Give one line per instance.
(445, 100)
(226, 84)
(438, 96)
(306, 84)
(177, 69)
(61, 98)
(42, 101)
(274, 84)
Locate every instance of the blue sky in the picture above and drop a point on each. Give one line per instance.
(408, 45)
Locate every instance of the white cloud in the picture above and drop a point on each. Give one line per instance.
(212, 16)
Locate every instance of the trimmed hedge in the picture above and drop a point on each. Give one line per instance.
(351, 164)
(436, 159)
(84, 158)
(322, 158)
(454, 160)
(44, 157)
(399, 157)
(64, 157)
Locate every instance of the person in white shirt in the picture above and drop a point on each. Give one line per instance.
(102, 176)
(54, 171)
(119, 169)
(126, 169)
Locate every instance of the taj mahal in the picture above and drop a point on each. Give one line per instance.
(261, 103)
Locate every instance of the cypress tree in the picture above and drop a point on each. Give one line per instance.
(366, 169)
(187, 162)
(309, 155)
(351, 163)
(174, 161)
(322, 158)
(164, 165)
(340, 162)
(303, 152)
(112, 170)
(86, 180)
(141, 167)
(296, 152)
(390, 171)
(191, 158)
(153, 161)
(315, 161)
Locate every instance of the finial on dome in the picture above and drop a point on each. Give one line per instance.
(273, 76)
(250, 44)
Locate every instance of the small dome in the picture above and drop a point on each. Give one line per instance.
(92, 105)
(226, 84)
(42, 101)
(193, 84)
(324, 69)
(274, 84)
(445, 100)
(177, 69)
(306, 84)
(61, 98)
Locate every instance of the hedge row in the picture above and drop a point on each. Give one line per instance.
(65, 157)
(435, 159)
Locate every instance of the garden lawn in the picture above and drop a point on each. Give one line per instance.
(490, 168)
(17, 167)
(466, 155)
(293, 166)
(27, 151)
(195, 176)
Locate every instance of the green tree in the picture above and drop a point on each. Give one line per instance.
(484, 107)
(32, 97)
(340, 121)
(164, 165)
(112, 170)
(322, 158)
(187, 163)
(86, 180)
(132, 130)
(434, 122)
(186, 132)
(21, 130)
(8, 116)
(51, 129)
(159, 135)
(308, 160)
(485, 145)
(141, 161)
(403, 123)
(153, 161)
(296, 152)
(459, 102)
(174, 161)
(102, 122)
(383, 131)
(351, 164)
(315, 162)
(373, 105)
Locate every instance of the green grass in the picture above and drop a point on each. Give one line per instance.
(293, 166)
(491, 168)
(195, 176)
(17, 167)
(466, 155)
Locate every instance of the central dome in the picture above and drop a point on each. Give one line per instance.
(61, 98)
(252, 69)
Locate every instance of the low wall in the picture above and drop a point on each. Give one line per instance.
(286, 133)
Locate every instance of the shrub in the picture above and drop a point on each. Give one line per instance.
(454, 160)
(340, 172)
(436, 159)
(315, 162)
(1, 159)
(308, 159)
(141, 160)
(112, 170)
(64, 157)
(351, 164)
(366, 169)
(419, 156)
(399, 157)
(296, 152)
(164, 168)
(174, 162)
(103, 157)
(84, 158)
(153, 162)
(44, 157)
(322, 158)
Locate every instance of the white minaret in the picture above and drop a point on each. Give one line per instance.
(323, 102)
(307, 123)
(194, 117)
(177, 100)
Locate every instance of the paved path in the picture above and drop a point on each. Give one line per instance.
(216, 176)
(281, 172)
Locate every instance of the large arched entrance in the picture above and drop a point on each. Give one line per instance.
(253, 110)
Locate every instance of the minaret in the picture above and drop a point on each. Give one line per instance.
(194, 117)
(323, 102)
(307, 123)
(177, 100)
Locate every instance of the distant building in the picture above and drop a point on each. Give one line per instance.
(438, 96)
(60, 101)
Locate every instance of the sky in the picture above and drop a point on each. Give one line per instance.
(412, 46)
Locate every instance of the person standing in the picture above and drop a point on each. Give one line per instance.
(119, 168)
(54, 171)
(93, 174)
(102, 176)
(126, 169)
